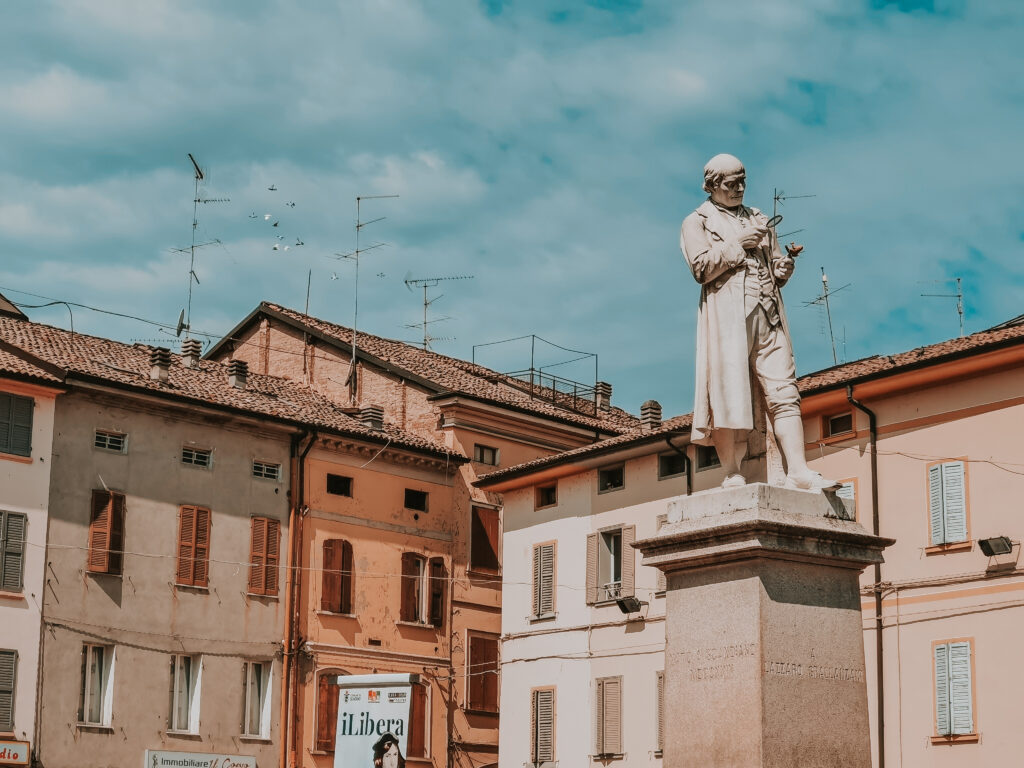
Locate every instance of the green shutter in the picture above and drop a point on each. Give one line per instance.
(8, 666)
(12, 550)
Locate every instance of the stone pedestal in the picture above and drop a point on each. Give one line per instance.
(764, 663)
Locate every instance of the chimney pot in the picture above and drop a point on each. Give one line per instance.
(159, 363)
(191, 351)
(238, 372)
(650, 415)
(603, 395)
(372, 416)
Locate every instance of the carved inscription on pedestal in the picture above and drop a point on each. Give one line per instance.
(716, 662)
(813, 671)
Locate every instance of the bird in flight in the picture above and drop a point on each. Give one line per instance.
(298, 241)
(272, 188)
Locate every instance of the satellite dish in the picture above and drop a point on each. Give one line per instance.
(181, 324)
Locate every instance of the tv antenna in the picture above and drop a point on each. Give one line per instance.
(185, 321)
(823, 301)
(779, 197)
(425, 283)
(959, 296)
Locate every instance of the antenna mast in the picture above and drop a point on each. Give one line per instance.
(186, 321)
(823, 301)
(425, 283)
(959, 296)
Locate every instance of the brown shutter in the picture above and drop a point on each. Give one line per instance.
(599, 717)
(628, 561)
(326, 713)
(474, 673)
(258, 556)
(410, 587)
(117, 533)
(662, 579)
(613, 716)
(547, 579)
(273, 551)
(348, 577)
(542, 746)
(438, 585)
(330, 596)
(201, 559)
(418, 722)
(485, 539)
(99, 532)
(482, 671)
(661, 711)
(536, 580)
(591, 568)
(186, 544)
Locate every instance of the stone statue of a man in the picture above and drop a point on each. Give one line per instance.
(741, 327)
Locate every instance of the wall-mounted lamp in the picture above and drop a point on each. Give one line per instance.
(630, 604)
(998, 545)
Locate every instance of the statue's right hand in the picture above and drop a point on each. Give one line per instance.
(752, 237)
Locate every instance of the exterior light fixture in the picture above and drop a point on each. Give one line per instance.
(999, 545)
(630, 604)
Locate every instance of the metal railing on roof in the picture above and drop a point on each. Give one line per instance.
(557, 390)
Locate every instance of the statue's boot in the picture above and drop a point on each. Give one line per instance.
(809, 480)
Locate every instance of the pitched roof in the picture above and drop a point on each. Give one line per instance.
(446, 375)
(23, 366)
(1006, 334)
(128, 366)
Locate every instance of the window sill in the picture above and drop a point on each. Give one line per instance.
(610, 490)
(669, 477)
(419, 624)
(483, 573)
(185, 735)
(486, 712)
(956, 546)
(192, 588)
(105, 573)
(842, 437)
(545, 506)
(12, 596)
(543, 616)
(260, 594)
(255, 739)
(18, 459)
(336, 614)
(95, 727)
(963, 738)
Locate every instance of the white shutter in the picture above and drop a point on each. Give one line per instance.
(954, 501)
(942, 690)
(935, 504)
(960, 702)
(547, 579)
(846, 491)
(662, 579)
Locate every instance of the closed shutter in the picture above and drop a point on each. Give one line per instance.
(627, 575)
(16, 424)
(348, 576)
(954, 501)
(608, 716)
(326, 713)
(935, 504)
(438, 588)
(201, 559)
(8, 668)
(942, 719)
(662, 578)
(543, 579)
(273, 555)
(117, 533)
(535, 608)
(410, 587)
(542, 731)
(960, 703)
(418, 722)
(186, 544)
(484, 545)
(591, 568)
(330, 595)
(258, 556)
(12, 550)
(482, 672)
(661, 711)
(106, 532)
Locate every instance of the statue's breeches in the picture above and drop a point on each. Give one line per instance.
(771, 361)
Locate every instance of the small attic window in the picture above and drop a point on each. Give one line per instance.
(416, 500)
(197, 457)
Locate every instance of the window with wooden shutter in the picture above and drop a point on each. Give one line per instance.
(193, 546)
(106, 532)
(482, 673)
(326, 711)
(542, 726)
(8, 677)
(543, 580)
(413, 571)
(264, 547)
(954, 694)
(438, 591)
(608, 716)
(592, 586)
(336, 595)
(419, 722)
(12, 550)
(485, 540)
(628, 569)
(947, 502)
(660, 706)
(16, 424)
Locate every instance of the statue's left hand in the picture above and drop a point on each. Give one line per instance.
(784, 268)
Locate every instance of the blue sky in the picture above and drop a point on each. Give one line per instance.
(549, 149)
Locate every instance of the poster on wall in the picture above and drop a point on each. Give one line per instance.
(373, 720)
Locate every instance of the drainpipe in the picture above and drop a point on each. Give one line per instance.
(297, 495)
(879, 669)
(686, 458)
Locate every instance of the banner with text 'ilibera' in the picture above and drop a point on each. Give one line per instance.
(373, 720)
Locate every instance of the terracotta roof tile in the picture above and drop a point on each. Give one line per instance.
(128, 365)
(12, 364)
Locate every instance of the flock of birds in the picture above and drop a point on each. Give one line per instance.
(280, 245)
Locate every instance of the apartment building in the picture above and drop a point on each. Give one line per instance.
(927, 445)
(430, 512)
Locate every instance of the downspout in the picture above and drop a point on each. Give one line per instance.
(686, 458)
(297, 495)
(877, 587)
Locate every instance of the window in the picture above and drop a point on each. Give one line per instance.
(608, 716)
(264, 547)
(837, 424)
(416, 500)
(485, 540)
(265, 469)
(110, 441)
(707, 457)
(947, 502)
(97, 690)
(671, 464)
(848, 490)
(419, 722)
(954, 695)
(12, 550)
(197, 457)
(106, 533)
(611, 478)
(424, 583)
(193, 546)
(660, 708)
(543, 580)
(8, 677)
(542, 726)
(16, 424)
(482, 673)
(326, 711)
(186, 672)
(485, 454)
(339, 485)
(610, 564)
(256, 718)
(547, 495)
(336, 595)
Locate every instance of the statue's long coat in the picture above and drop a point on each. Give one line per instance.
(723, 395)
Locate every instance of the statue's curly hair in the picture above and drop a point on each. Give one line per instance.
(713, 174)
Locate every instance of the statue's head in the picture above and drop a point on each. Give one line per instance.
(725, 180)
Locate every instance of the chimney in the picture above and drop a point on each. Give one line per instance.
(603, 395)
(159, 363)
(191, 350)
(238, 372)
(372, 416)
(650, 416)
